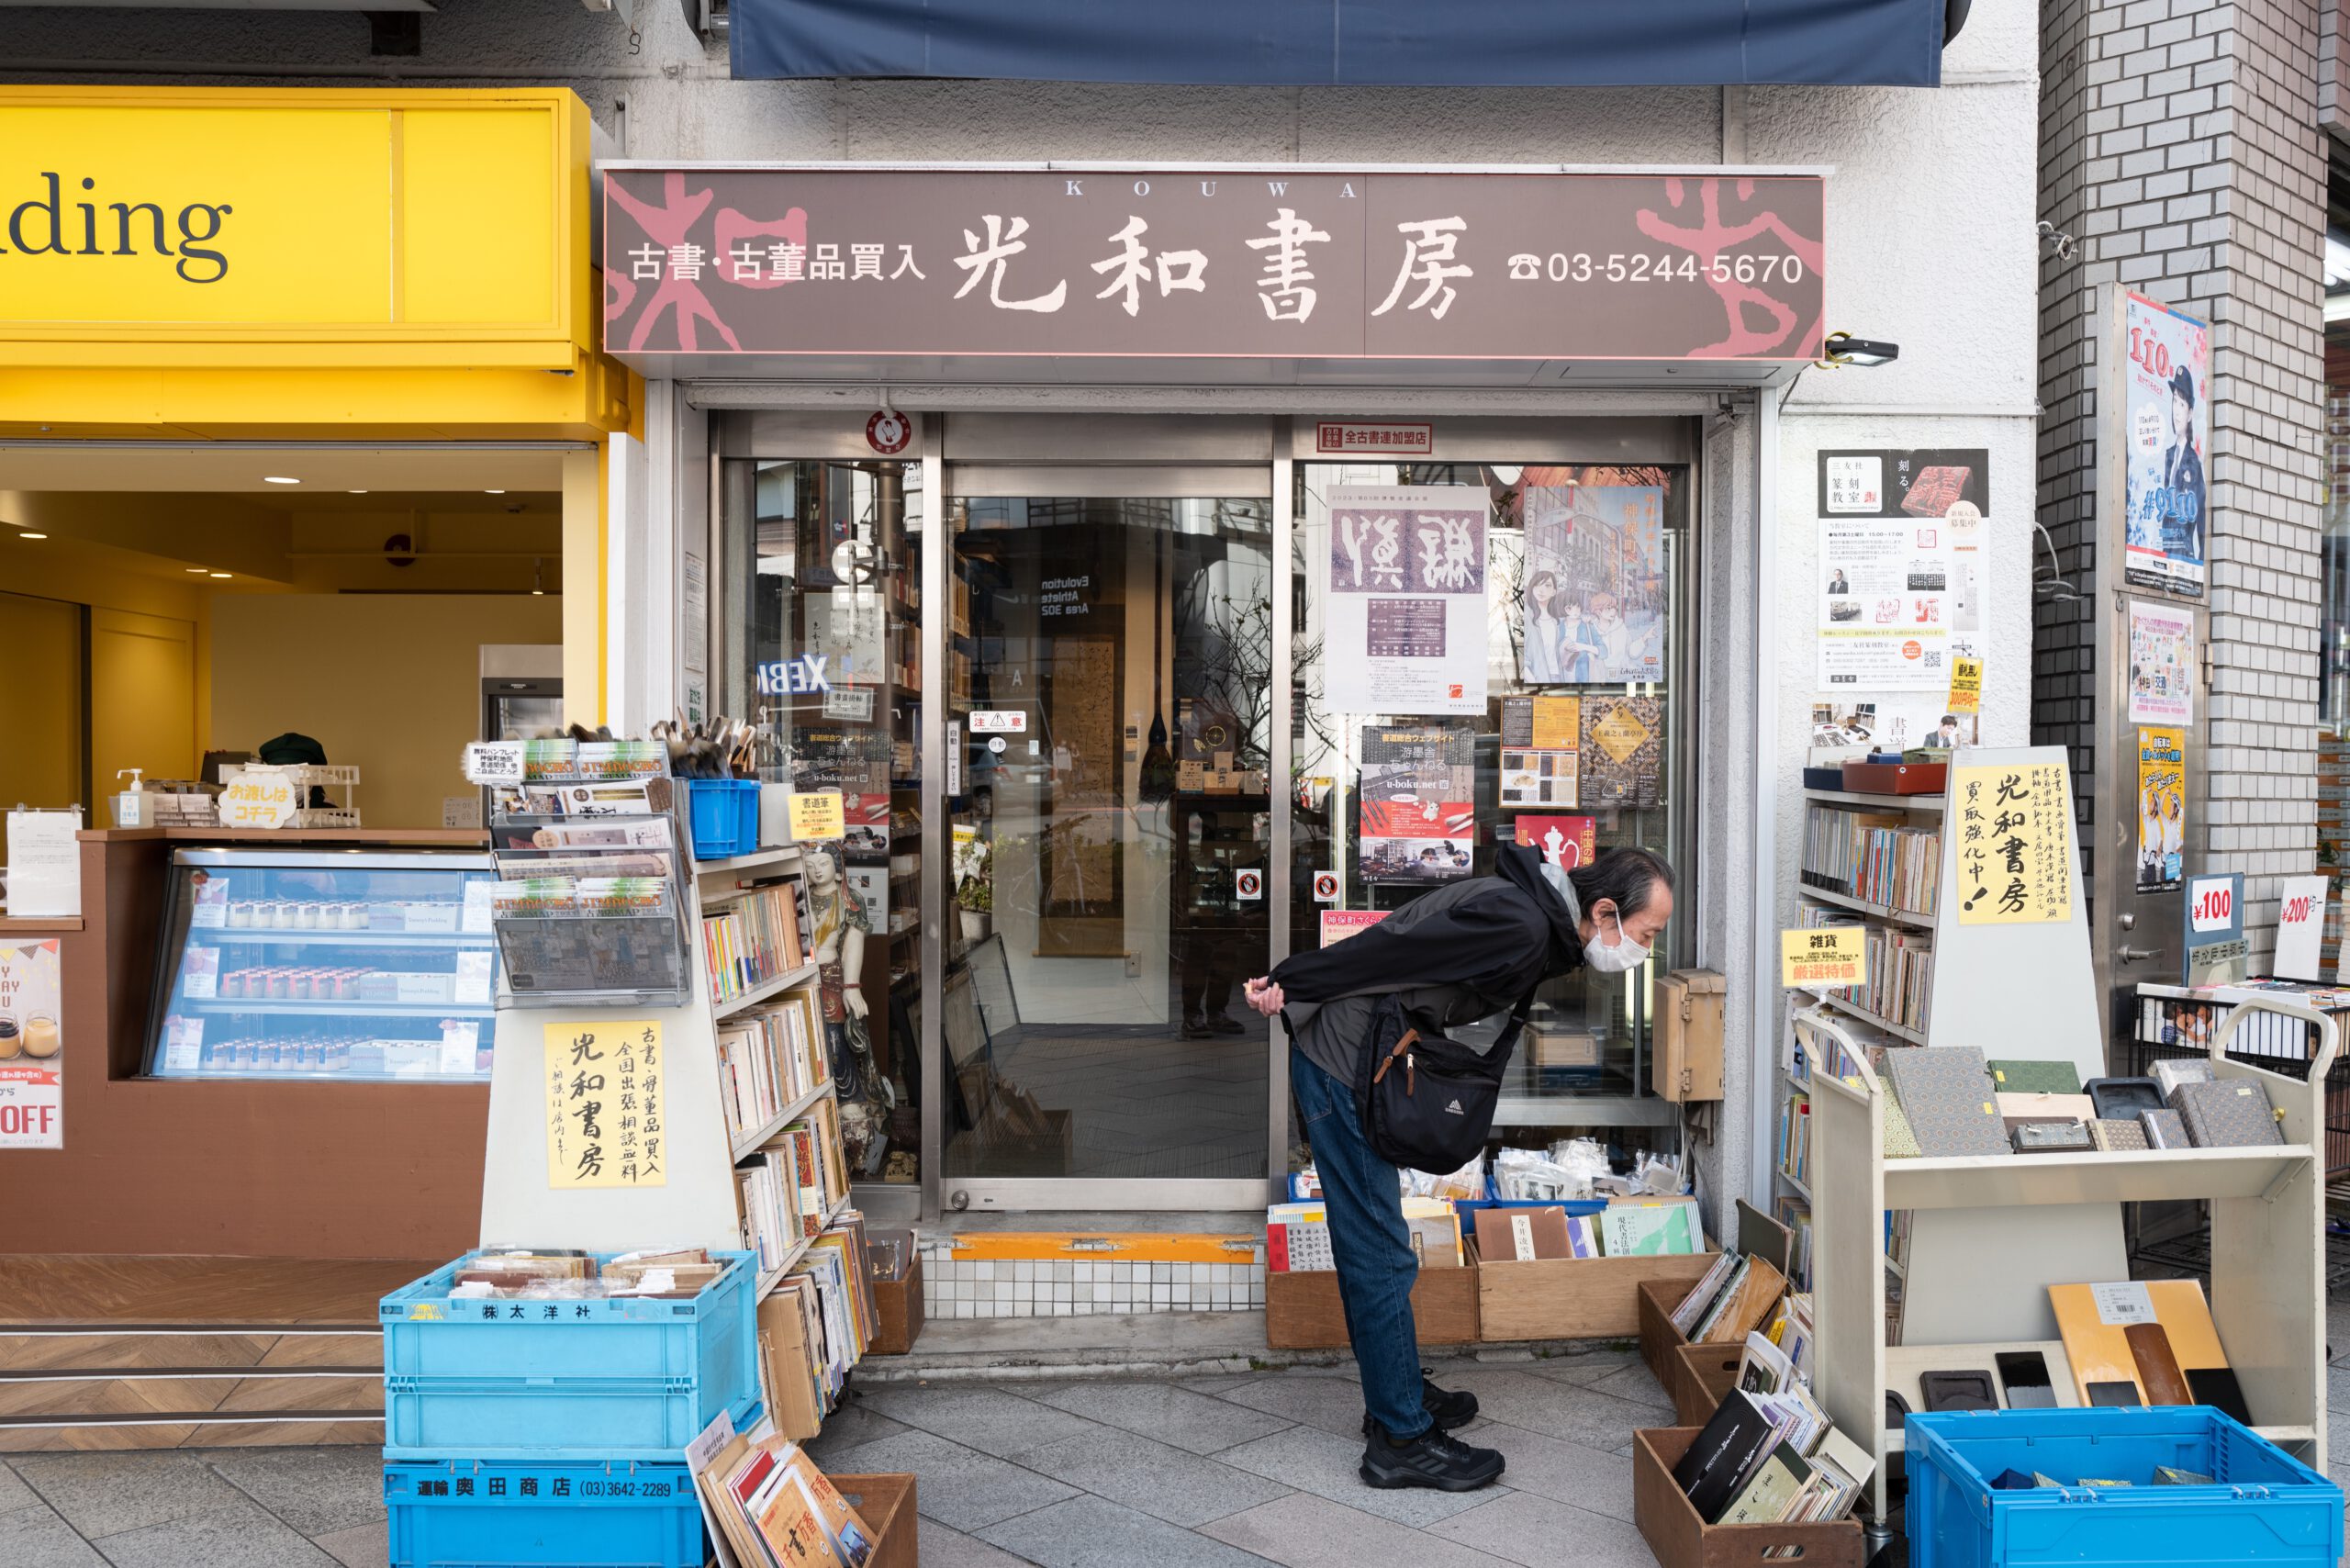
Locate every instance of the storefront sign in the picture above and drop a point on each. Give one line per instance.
(2166, 413)
(2015, 844)
(2216, 950)
(190, 220)
(606, 1105)
(1272, 264)
(2300, 928)
(260, 798)
(2162, 665)
(1901, 575)
(1824, 957)
(1383, 439)
(817, 815)
(32, 1042)
(2162, 808)
(1406, 605)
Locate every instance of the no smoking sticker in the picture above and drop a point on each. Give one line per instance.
(1249, 883)
(1325, 887)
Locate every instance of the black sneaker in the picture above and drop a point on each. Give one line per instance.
(1451, 1409)
(1434, 1458)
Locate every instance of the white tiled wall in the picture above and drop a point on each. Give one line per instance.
(1057, 1288)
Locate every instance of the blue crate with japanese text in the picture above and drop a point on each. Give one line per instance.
(2261, 1504)
(622, 1378)
(493, 1514)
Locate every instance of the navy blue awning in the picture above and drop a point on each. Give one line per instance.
(1547, 43)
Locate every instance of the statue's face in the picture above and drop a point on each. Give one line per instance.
(823, 873)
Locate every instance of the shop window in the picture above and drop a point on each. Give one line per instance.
(819, 643)
(1559, 721)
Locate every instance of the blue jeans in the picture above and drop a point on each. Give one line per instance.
(1371, 1244)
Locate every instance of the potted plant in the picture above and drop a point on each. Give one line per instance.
(974, 886)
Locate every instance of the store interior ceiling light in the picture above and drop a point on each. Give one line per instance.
(278, 479)
(22, 534)
(199, 571)
(493, 492)
(224, 573)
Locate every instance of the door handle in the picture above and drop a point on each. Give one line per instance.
(2130, 955)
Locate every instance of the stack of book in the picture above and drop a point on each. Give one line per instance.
(1769, 1458)
(769, 1060)
(1878, 860)
(1737, 1295)
(790, 1184)
(1900, 976)
(753, 938)
(830, 1292)
(772, 1504)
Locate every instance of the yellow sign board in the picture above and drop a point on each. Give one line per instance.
(605, 1119)
(1824, 956)
(2015, 844)
(258, 798)
(1966, 686)
(817, 815)
(187, 218)
(1620, 734)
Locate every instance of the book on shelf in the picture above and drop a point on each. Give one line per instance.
(1794, 1136)
(768, 1060)
(1877, 859)
(1771, 1457)
(790, 1182)
(752, 936)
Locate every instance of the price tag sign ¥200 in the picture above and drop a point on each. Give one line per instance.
(2300, 929)
(1823, 956)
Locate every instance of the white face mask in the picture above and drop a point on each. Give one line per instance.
(1626, 954)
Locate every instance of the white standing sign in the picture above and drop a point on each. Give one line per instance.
(2300, 928)
(44, 864)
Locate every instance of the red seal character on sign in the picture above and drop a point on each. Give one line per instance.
(888, 433)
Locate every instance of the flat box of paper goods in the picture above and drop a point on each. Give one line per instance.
(1527, 1291)
(1672, 1309)
(1301, 1307)
(1678, 1533)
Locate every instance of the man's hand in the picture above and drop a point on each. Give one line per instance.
(1264, 996)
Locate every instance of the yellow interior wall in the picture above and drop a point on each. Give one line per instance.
(391, 683)
(41, 714)
(143, 699)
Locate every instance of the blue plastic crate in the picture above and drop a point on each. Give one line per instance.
(2264, 1506)
(489, 1514)
(544, 1380)
(724, 815)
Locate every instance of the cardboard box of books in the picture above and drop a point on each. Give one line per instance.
(1766, 1472)
(1668, 1313)
(1589, 1293)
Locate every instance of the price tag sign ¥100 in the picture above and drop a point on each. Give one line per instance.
(2210, 904)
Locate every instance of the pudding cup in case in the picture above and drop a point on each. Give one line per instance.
(351, 916)
(299, 985)
(281, 984)
(280, 912)
(233, 985)
(306, 915)
(240, 914)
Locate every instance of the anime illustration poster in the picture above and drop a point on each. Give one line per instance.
(1405, 612)
(2162, 807)
(2167, 412)
(1594, 606)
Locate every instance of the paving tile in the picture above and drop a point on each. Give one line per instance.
(958, 1486)
(987, 1418)
(1218, 1387)
(944, 1548)
(1555, 1408)
(1333, 1405)
(1634, 1383)
(2337, 1388)
(1303, 1531)
(105, 1493)
(365, 1547)
(14, 1492)
(1168, 1483)
(1564, 1472)
(1538, 1533)
(1089, 1532)
(1173, 1415)
(1331, 1467)
(318, 1491)
(1585, 1367)
(855, 1423)
(36, 1538)
(242, 1537)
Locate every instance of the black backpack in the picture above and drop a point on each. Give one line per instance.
(1426, 1102)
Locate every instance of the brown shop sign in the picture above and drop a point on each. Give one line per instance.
(1253, 264)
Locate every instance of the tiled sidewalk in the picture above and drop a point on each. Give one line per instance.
(1207, 1472)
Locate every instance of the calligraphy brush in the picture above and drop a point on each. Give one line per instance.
(1158, 781)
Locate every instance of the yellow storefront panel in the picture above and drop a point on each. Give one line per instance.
(482, 162)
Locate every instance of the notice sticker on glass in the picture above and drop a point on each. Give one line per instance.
(2119, 1306)
(472, 977)
(460, 1039)
(476, 916)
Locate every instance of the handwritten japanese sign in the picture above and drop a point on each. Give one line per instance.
(606, 1126)
(258, 797)
(2015, 844)
(1824, 956)
(1276, 264)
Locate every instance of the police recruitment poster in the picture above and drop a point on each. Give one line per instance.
(2166, 434)
(31, 1046)
(1900, 568)
(1406, 627)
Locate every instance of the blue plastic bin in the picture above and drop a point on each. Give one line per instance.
(2264, 1506)
(488, 1514)
(594, 1381)
(724, 815)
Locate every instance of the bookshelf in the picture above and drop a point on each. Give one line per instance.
(2267, 1284)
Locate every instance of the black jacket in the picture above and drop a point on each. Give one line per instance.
(1499, 938)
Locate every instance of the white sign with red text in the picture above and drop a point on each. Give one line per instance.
(2300, 928)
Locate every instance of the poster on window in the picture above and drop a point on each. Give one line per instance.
(1418, 815)
(1843, 722)
(1407, 607)
(32, 1044)
(2162, 807)
(2166, 416)
(1901, 574)
(1594, 605)
(2162, 665)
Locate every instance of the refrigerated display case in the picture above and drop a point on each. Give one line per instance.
(351, 965)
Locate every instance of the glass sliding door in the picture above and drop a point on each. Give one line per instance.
(1108, 725)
